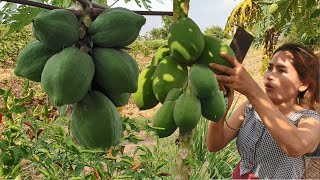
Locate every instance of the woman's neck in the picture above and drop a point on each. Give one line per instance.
(289, 108)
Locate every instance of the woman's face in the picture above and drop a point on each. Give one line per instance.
(281, 79)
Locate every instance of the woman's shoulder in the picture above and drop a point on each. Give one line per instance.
(307, 113)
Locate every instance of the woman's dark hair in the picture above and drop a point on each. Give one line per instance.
(306, 64)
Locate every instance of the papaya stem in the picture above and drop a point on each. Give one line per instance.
(182, 166)
(183, 169)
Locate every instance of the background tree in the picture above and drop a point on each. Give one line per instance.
(215, 31)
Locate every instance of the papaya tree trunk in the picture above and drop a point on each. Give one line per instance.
(180, 9)
(183, 169)
(184, 153)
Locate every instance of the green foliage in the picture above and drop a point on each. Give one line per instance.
(160, 33)
(219, 165)
(22, 18)
(296, 20)
(32, 146)
(146, 47)
(140, 3)
(13, 43)
(157, 33)
(215, 31)
(17, 17)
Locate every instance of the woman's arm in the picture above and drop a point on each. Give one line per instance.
(221, 133)
(294, 141)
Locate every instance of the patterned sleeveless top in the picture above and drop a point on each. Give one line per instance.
(261, 155)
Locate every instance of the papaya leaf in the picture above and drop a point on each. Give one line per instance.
(102, 2)
(62, 3)
(315, 13)
(22, 19)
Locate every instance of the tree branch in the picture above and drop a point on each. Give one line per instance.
(33, 3)
(96, 11)
(77, 13)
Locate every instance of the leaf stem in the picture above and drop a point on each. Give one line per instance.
(42, 5)
(95, 11)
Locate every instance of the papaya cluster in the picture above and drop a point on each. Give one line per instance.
(84, 65)
(180, 79)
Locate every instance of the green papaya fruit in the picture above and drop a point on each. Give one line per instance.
(214, 107)
(202, 80)
(118, 100)
(161, 53)
(56, 29)
(95, 122)
(169, 74)
(116, 70)
(144, 97)
(187, 111)
(213, 46)
(185, 40)
(173, 94)
(116, 27)
(163, 118)
(67, 76)
(31, 60)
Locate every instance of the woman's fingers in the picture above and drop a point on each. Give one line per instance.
(222, 68)
(225, 79)
(231, 59)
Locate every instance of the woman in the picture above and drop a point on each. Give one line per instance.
(275, 128)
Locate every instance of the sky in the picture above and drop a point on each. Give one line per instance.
(206, 14)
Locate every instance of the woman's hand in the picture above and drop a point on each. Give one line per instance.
(237, 78)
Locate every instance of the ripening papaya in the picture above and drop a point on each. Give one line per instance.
(56, 29)
(67, 76)
(31, 60)
(116, 27)
(95, 122)
(202, 80)
(169, 74)
(185, 41)
(163, 121)
(210, 54)
(214, 107)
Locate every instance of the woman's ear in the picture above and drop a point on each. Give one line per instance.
(304, 86)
